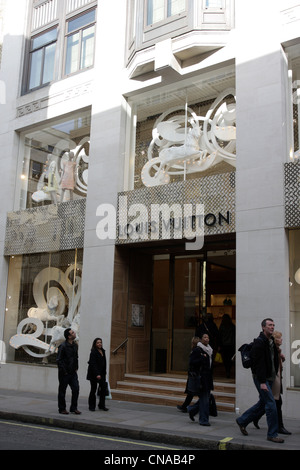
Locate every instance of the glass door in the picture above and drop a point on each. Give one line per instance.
(189, 300)
(179, 297)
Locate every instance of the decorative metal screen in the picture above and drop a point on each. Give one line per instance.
(292, 194)
(216, 193)
(48, 228)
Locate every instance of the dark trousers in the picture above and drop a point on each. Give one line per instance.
(93, 391)
(65, 380)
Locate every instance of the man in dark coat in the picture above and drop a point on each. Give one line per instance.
(67, 361)
(264, 369)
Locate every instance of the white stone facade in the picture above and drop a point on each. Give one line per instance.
(253, 47)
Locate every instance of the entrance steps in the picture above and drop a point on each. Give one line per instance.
(168, 390)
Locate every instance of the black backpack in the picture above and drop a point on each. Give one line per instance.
(245, 351)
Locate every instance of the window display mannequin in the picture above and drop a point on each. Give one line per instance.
(67, 181)
(52, 185)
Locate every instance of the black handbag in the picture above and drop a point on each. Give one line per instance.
(106, 389)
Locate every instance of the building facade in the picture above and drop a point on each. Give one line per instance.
(151, 177)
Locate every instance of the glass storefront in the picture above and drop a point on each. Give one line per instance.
(294, 243)
(53, 162)
(183, 134)
(43, 298)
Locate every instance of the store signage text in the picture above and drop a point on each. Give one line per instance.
(159, 222)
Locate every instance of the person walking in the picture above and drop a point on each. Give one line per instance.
(201, 365)
(277, 385)
(264, 369)
(96, 374)
(189, 395)
(67, 362)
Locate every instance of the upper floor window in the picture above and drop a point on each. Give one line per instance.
(80, 38)
(42, 58)
(160, 10)
(62, 40)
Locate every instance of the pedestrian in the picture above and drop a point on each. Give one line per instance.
(96, 374)
(189, 395)
(264, 369)
(201, 364)
(67, 361)
(226, 342)
(277, 385)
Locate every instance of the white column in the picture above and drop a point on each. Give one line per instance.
(262, 149)
(106, 170)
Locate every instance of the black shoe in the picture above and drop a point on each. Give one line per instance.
(103, 408)
(191, 416)
(282, 430)
(255, 422)
(64, 412)
(242, 428)
(92, 409)
(75, 412)
(181, 408)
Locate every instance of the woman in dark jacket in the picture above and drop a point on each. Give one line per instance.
(201, 364)
(96, 375)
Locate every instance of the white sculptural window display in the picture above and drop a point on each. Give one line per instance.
(184, 143)
(44, 293)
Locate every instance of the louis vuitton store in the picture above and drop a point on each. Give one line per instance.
(182, 245)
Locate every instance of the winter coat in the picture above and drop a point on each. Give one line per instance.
(200, 362)
(96, 365)
(67, 358)
(262, 359)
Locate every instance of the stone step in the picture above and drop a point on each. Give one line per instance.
(159, 399)
(165, 390)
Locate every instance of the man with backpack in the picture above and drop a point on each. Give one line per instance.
(264, 366)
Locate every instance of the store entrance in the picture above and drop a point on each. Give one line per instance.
(186, 290)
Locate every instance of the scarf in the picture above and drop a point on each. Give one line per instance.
(208, 349)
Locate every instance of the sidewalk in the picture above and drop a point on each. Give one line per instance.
(140, 421)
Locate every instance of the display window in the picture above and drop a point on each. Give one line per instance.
(184, 133)
(43, 298)
(294, 243)
(53, 162)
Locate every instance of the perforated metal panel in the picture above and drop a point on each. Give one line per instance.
(292, 194)
(44, 229)
(216, 193)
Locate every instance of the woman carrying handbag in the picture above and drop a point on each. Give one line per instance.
(96, 374)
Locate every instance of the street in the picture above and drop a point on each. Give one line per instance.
(23, 436)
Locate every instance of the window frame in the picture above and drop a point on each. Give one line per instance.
(76, 31)
(166, 18)
(42, 48)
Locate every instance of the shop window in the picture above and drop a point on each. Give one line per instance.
(179, 137)
(80, 42)
(42, 58)
(43, 298)
(160, 10)
(54, 161)
(294, 243)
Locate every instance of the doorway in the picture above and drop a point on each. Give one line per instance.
(185, 288)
